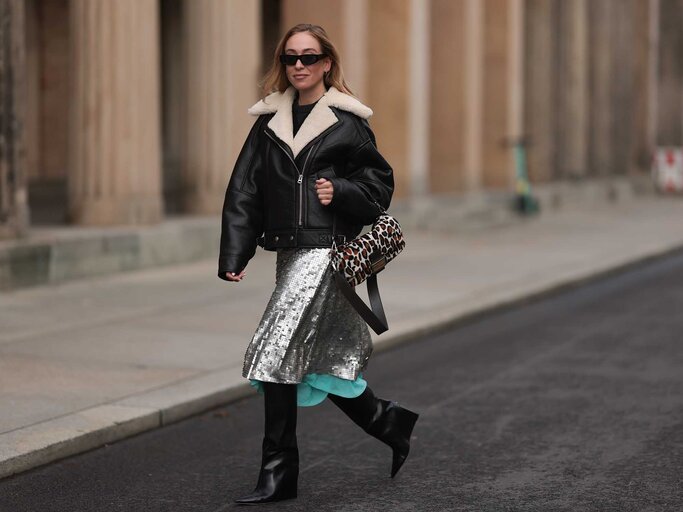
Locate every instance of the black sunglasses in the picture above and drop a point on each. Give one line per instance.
(306, 59)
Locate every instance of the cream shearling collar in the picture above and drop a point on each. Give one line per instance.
(318, 120)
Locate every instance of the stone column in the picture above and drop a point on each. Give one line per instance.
(388, 84)
(222, 51)
(601, 26)
(622, 77)
(645, 41)
(418, 113)
(496, 156)
(355, 47)
(572, 157)
(516, 75)
(474, 72)
(13, 199)
(114, 171)
(540, 110)
(646, 23)
(449, 53)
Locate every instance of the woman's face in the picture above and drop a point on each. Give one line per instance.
(305, 77)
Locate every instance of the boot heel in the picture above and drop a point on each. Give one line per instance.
(275, 484)
(405, 422)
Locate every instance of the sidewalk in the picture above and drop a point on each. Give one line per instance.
(89, 362)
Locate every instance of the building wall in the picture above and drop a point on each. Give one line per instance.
(592, 84)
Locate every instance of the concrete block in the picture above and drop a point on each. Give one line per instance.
(61, 254)
(93, 256)
(25, 265)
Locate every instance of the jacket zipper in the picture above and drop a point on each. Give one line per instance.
(300, 179)
(283, 149)
(301, 186)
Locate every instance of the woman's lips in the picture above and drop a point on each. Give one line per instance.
(300, 76)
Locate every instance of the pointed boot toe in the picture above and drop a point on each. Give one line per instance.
(277, 481)
(400, 441)
(259, 496)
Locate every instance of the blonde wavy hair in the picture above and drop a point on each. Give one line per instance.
(275, 78)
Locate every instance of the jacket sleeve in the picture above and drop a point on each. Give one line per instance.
(369, 178)
(242, 217)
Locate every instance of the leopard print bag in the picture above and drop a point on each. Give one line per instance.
(368, 254)
(361, 259)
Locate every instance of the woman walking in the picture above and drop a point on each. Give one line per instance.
(308, 171)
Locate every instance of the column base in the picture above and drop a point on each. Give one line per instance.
(137, 210)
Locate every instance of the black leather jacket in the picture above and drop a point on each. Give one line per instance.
(271, 198)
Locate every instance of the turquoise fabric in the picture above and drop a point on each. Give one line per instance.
(314, 388)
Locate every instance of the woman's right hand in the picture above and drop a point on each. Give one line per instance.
(231, 276)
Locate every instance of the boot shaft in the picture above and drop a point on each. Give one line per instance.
(279, 471)
(364, 410)
(385, 420)
(280, 412)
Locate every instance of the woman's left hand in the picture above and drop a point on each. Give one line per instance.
(325, 190)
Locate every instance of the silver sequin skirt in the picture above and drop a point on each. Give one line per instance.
(308, 325)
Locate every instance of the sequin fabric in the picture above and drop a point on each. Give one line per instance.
(308, 325)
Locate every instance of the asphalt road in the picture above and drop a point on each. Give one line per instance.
(571, 403)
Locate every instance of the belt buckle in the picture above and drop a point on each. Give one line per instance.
(377, 262)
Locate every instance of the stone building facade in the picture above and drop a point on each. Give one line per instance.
(126, 112)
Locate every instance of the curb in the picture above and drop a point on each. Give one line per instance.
(33, 446)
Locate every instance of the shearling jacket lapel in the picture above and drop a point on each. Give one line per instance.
(317, 121)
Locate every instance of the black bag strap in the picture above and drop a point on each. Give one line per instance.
(374, 315)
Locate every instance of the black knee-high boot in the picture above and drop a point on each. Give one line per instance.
(383, 419)
(280, 456)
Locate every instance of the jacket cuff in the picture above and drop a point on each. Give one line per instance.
(229, 263)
